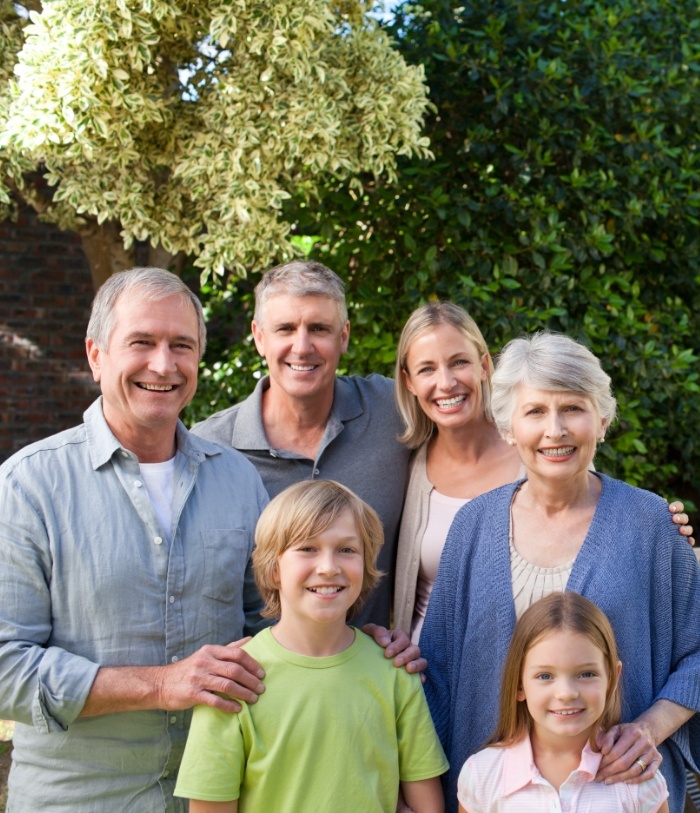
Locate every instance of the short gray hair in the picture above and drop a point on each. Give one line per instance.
(300, 278)
(419, 427)
(153, 284)
(548, 361)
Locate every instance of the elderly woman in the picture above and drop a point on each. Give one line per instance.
(566, 528)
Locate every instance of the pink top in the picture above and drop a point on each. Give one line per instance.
(506, 780)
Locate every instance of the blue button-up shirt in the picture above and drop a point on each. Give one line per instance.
(88, 579)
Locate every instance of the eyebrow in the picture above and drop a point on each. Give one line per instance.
(551, 667)
(140, 334)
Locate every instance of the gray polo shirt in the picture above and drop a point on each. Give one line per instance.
(359, 449)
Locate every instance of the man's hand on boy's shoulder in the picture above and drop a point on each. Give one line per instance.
(397, 645)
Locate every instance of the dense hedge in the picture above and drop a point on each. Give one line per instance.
(564, 193)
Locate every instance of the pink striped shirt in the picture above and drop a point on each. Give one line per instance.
(506, 780)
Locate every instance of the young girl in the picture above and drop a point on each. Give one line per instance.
(561, 685)
(338, 727)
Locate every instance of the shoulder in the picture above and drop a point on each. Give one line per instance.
(54, 450)
(485, 506)
(373, 388)
(219, 426)
(651, 793)
(479, 780)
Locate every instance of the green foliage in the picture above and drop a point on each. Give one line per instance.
(564, 194)
(189, 124)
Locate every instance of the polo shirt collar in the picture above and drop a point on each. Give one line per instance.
(519, 767)
(249, 432)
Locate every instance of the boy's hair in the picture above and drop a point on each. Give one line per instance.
(557, 611)
(304, 511)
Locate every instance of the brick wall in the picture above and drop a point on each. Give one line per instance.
(45, 296)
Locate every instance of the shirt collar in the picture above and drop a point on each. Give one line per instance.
(102, 444)
(249, 432)
(519, 767)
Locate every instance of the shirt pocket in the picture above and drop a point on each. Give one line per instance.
(226, 552)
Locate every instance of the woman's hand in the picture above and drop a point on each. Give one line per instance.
(629, 749)
(629, 754)
(681, 519)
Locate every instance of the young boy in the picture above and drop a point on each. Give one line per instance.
(338, 727)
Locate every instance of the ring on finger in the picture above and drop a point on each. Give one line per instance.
(641, 764)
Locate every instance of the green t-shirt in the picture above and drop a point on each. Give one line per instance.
(335, 733)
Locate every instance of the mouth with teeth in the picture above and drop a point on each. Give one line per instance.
(302, 368)
(156, 387)
(567, 712)
(326, 591)
(447, 403)
(561, 451)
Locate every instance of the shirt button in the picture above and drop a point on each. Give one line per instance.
(173, 719)
(138, 483)
(174, 659)
(125, 454)
(158, 541)
(172, 599)
(166, 774)
(317, 471)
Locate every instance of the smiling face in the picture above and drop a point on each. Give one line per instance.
(565, 685)
(302, 339)
(446, 374)
(319, 579)
(148, 372)
(555, 432)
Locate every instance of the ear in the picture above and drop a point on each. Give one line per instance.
(485, 365)
(618, 672)
(603, 429)
(93, 355)
(520, 696)
(258, 337)
(344, 337)
(275, 575)
(407, 382)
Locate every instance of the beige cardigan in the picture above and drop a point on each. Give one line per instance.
(413, 524)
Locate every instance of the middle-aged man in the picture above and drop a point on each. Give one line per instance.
(124, 570)
(304, 421)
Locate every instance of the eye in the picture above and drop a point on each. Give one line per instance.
(349, 549)
(543, 676)
(424, 370)
(461, 362)
(535, 411)
(589, 674)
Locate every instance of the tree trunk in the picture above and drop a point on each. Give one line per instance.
(104, 249)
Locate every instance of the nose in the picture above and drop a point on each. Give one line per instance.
(327, 563)
(446, 378)
(567, 689)
(555, 425)
(161, 360)
(302, 342)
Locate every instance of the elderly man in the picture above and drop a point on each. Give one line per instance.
(124, 569)
(304, 421)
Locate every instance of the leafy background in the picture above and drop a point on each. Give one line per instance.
(563, 194)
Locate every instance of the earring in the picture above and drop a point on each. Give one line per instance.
(511, 442)
(601, 440)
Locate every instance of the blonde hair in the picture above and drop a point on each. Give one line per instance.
(549, 361)
(419, 427)
(302, 512)
(557, 611)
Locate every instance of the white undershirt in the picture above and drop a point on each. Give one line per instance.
(159, 479)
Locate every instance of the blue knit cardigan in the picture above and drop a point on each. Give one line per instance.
(633, 564)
